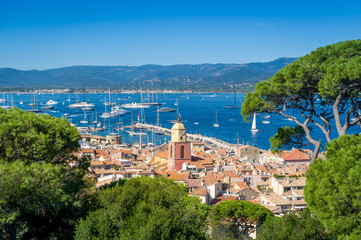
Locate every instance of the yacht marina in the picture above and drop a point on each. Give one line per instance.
(202, 113)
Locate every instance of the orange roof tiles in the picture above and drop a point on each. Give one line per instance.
(294, 154)
(87, 150)
(242, 185)
(163, 154)
(125, 151)
(179, 176)
(199, 192)
(224, 198)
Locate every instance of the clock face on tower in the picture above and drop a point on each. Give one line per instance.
(182, 132)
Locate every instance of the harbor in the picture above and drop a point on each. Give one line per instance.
(210, 142)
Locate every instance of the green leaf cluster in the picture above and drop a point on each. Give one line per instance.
(145, 208)
(41, 195)
(293, 226)
(234, 219)
(333, 190)
(288, 137)
(35, 138)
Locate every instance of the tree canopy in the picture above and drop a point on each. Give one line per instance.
(295, 226)
(41, 195)
(236, 218)
(288, 137)
(35, 138)
(333, 189)
(322, 86)
(145, 208)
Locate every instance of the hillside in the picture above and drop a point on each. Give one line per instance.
(199, 76)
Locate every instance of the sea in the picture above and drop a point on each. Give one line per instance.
(198, 112)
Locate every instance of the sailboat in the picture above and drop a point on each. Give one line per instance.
(216, 124)
(254, 128)
(110, 100)
(234, 106)
(34, 104)
(85, 119)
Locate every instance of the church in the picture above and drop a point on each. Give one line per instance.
(179, 149)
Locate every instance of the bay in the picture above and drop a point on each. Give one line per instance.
(193, 108)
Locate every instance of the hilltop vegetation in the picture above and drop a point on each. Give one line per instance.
(178, 77)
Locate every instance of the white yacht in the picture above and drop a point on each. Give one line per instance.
(134, 105)
(166, 109)
(81, 105)
(117, 111)
(51, 103)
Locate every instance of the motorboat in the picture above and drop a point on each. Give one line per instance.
(166, 109)
(51, 103)
(80, 105)
(135, 105)
(47, 107)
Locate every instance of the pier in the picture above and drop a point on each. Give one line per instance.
(209, 141)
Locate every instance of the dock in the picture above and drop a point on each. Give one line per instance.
(209, 141)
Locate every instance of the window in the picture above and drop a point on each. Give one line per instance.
(182, 152)
(171, 151)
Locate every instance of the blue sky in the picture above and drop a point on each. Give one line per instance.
(51, 34)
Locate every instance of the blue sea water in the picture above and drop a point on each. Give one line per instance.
(198, 107)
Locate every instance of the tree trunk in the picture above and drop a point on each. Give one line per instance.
(315, 152)
(9, 232)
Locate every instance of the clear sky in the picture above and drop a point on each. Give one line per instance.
(51, 34)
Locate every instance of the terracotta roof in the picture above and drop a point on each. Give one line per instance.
(294, 154)
(224, 198)
(274, 209)
(199, 192)
(275, 198)
(212, 178)
(96, 163)
(298, 202)
(194, 183)
(125, 151)
(179, 176)
(298, 192)
(261, 168)
(163, 154)
(104, 171)
(230, 174)
(202, 156)
(87, 150)
(242, 185)
(222, 151)
(292, 182)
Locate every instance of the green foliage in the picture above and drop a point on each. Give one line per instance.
(35, 138)
(236, 218)
(41, 195)
(333, 190)
(322, 86)
(275, 175)
(288, 137)
(145, 208)
(295, 226)
(30, 189)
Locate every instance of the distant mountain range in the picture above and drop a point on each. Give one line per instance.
(177, 77)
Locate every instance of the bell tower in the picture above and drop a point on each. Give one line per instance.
(179, 150)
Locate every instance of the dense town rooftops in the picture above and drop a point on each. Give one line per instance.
(292, 182)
